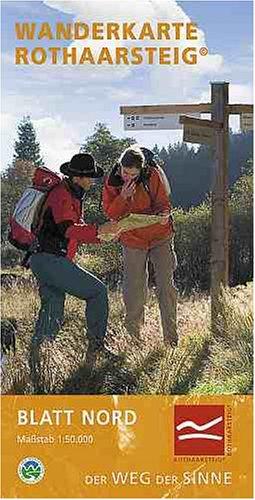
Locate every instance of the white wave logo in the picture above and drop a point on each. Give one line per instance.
(196, 427)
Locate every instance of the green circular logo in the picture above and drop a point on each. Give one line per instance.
(31, 470)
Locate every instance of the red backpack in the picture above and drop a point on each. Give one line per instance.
(25, 220)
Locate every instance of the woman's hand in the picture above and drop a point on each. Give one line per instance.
(165, 218)
(128, 190)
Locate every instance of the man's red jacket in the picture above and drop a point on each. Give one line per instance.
(62, 227)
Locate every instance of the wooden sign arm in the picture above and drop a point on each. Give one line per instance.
(197, 122)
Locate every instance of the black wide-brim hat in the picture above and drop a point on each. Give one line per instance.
(82, 165)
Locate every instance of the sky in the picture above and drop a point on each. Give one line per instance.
(65, 102)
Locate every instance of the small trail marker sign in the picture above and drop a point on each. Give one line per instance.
(198, 135)
(199, 131)
(246, 122)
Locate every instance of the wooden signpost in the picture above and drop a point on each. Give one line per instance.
(214, 132)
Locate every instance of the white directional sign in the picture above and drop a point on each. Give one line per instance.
(246, 122)
(154, 122)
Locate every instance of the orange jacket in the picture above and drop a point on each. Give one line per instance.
(155, 201)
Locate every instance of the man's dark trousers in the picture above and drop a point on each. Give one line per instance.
(56, 277)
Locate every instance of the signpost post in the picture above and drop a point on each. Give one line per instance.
(214, 132)
(220, 216)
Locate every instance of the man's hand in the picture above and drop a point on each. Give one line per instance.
(109, 229)
(128, 190)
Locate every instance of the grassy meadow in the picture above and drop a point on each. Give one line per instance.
(203, 363)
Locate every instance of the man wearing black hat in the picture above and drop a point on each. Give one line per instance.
(62, 230)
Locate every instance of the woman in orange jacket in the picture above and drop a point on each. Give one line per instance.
(138, 185)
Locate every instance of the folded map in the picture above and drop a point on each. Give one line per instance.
(134, 221)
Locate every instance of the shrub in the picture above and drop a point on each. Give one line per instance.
(10, 256)
(192, 244)
(241, 230)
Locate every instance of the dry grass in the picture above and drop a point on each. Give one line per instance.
(230, 360)
(200, 364)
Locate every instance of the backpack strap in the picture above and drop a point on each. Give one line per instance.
(42, 211)
(166, 184)
(35, 245)
(39, 224)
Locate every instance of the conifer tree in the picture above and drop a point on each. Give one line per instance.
(105, 147)
(27, 148)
